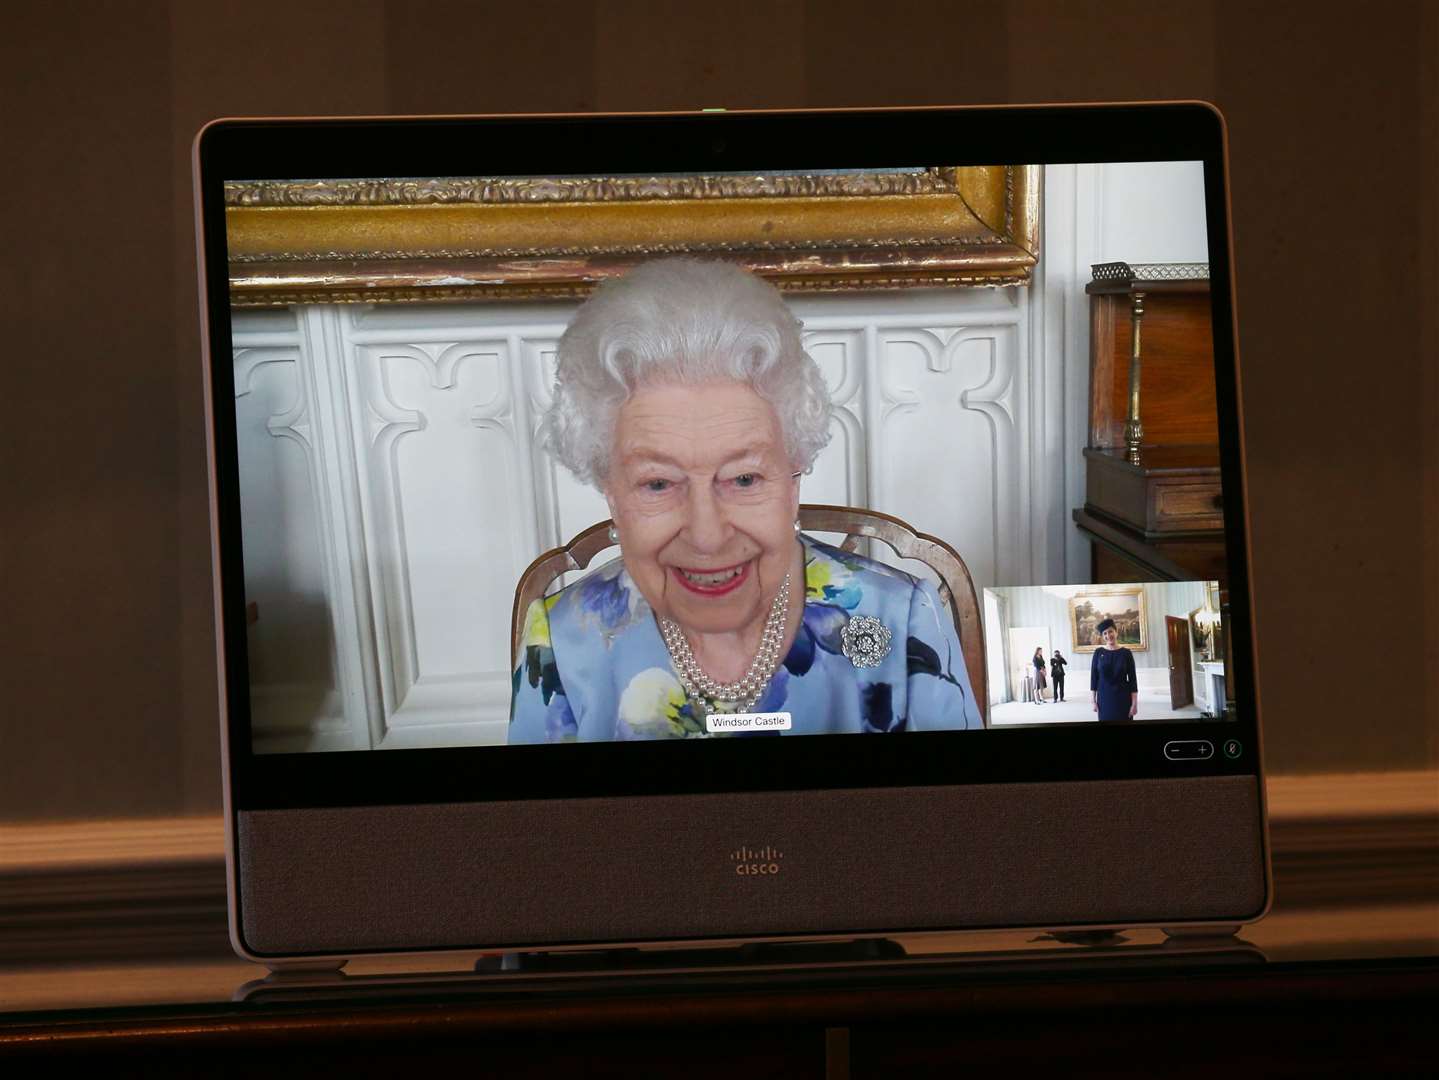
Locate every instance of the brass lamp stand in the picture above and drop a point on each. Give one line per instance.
(1133, 429)
(1132, 275)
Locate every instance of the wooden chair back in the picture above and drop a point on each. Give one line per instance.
(956, 587)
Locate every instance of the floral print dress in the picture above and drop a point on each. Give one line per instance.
(593, 667)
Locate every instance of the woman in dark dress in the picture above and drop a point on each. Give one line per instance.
(1039, 676)
(1113, 684)
(1056, 674)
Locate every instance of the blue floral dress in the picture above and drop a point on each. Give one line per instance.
(593, 667)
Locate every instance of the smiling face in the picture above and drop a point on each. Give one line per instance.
(704, 499)
(1110, 637)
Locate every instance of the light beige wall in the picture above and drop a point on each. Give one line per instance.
(107, 684)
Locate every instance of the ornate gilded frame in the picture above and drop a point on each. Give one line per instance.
(1109, 592)
(503, 238)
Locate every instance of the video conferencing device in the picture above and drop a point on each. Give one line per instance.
(725, 527)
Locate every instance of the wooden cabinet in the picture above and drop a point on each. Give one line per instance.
(1152, 488)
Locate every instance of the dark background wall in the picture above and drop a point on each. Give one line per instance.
(107, 675)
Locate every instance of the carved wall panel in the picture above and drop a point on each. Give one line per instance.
(438, 452)
(294, 695)
(289, 640)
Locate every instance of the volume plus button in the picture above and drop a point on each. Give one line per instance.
(1189, 750)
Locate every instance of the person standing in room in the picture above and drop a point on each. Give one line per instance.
(1113, 684)
(1039, 682)
(1056, 673)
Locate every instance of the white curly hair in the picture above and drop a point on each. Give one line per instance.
(680, 320)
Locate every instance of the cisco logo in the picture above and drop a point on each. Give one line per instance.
(749, 862)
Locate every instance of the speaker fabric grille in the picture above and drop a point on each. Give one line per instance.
(530, 873)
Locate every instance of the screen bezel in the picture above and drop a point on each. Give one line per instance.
(693, 142)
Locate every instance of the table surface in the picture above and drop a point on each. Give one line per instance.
(1379, 936)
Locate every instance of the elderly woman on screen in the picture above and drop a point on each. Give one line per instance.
(684, 395)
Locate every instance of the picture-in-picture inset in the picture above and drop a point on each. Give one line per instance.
(1105, 653)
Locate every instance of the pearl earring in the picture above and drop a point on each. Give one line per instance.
(796, 525)
(614, 535)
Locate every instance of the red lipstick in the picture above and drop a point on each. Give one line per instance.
(712, 590)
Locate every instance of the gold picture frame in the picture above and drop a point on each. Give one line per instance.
(523, 238)
(1126, 604)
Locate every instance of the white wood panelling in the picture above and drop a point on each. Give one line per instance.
(393, 486)
(422, 492)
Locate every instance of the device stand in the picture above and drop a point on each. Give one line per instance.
(757, 953)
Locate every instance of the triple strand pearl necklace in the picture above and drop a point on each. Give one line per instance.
(744, 693)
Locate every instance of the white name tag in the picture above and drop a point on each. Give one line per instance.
(726, 723)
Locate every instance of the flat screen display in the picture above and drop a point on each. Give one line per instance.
(772, 446)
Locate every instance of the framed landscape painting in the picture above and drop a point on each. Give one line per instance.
(1122, 603)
